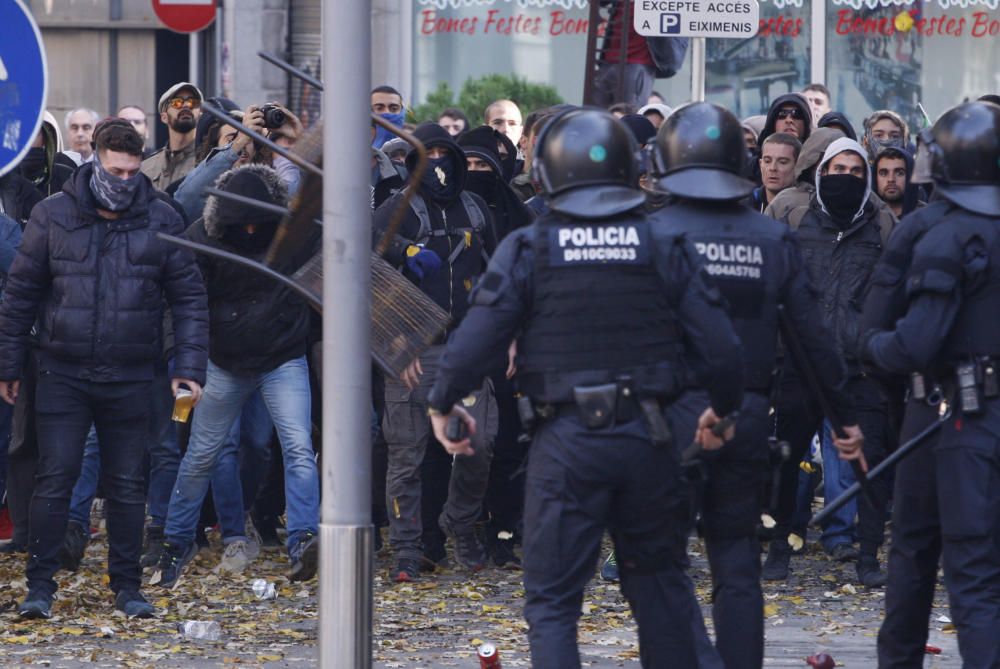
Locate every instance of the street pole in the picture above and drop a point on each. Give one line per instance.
(698, 69)
(346, 539)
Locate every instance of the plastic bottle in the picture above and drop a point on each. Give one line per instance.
(207, 630)
(263, 589)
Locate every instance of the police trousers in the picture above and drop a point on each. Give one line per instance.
(407, 430)
(729, 505)
(967, 463)
(915, 549)
(581, 482)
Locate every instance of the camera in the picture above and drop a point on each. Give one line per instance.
(274, 116)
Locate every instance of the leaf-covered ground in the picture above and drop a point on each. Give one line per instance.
(435, 622)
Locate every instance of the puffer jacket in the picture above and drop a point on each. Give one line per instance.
(97, 288)
(256, 323)
(840, 261)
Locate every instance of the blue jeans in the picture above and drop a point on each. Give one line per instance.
(837, 477)
(285, 391)
(86, 486)
(234, 490)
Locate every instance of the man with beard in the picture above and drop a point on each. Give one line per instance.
(893, 168)
(180, 107)
(884, 129)
(442, 246)
(841, 237)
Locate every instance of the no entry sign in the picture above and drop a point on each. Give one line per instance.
(697, 18)
(23, 83)
(185, 16)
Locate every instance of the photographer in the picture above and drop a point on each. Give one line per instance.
(235, 149)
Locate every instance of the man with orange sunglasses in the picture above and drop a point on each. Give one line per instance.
(180, 107)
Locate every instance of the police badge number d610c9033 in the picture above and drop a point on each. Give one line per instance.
(613, 244)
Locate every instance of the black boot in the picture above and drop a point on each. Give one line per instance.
(869, 574)
(779, 553)
(154, 546)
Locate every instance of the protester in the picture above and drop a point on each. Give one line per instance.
(838, 121)
(454, 121)
(504, 116)
(45, 164)
(387, 102)
(884, 129)
(136, 115)
(778, 156)
(657, 113)
(818, 97)
(80, 124)
(893, 169)
(788, 113)
(180, 108)
(258, 334)
(98, 347)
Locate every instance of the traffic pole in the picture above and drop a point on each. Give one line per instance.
(346, 534)
(698, 69)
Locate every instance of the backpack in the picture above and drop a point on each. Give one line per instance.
(472, 211)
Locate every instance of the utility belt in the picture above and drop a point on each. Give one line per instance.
(972, 383)
(922, 388)
(602, 406)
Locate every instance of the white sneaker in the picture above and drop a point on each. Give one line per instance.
(235, 558)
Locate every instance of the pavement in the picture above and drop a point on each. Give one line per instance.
(437, 621)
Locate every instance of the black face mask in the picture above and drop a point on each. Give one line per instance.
(33, 164)
(842, 196)
(483, 184)
(252, 244)
(439, 179)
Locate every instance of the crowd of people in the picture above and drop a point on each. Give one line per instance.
(106, 329)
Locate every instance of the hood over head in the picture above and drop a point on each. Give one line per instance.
(812, 152)
(772, 114)
(431, 134)
(259, 182)
(481, 143)
(661, 109)
(838, 120)
(835, 148)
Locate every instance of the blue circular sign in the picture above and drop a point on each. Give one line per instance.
(23, 82)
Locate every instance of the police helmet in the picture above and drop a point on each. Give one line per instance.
(960, 154)
(585, 161)
(700, 153)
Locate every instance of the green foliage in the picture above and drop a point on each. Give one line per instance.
(476, 94)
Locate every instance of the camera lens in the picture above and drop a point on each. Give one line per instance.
(273, 117)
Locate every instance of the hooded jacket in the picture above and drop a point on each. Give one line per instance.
(772, 115)
(57, 168)
(256, 324)
(798, 195)
(840, 260)
(839, 121)
(97, 288)
(509, 213)
(449, 287)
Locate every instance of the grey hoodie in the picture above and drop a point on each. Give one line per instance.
(836, 147)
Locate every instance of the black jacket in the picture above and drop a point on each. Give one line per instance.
(18, 197)
(449, 287)
(772, 115)
(256, 323)
(97, 288)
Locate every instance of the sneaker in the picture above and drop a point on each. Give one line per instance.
(779, 554)
(6, 526)
(153, 549)
(869, 574)
(843, 552)
(74, 546)
(407, 569)
(468, 551)
(133, 604)
(304, 556)
(235, 557)
(609, 570)
(38, 604)
(503, 555)
(172, 562)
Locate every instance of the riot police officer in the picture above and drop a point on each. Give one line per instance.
(949, 334)
(603, 306)
(756, 265)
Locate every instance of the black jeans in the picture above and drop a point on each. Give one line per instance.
(798, 419)
(65, 409)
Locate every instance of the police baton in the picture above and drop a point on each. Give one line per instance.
(803, 364)
(896, 456)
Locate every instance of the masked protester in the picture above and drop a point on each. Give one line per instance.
(884, 130)
(841, 238)
(93, 273)
(443, 246)
(387, 102)
(45, 165)
(485, 179)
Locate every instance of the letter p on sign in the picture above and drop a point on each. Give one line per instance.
(670, 23)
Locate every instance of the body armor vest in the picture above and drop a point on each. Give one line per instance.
(599, 312)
